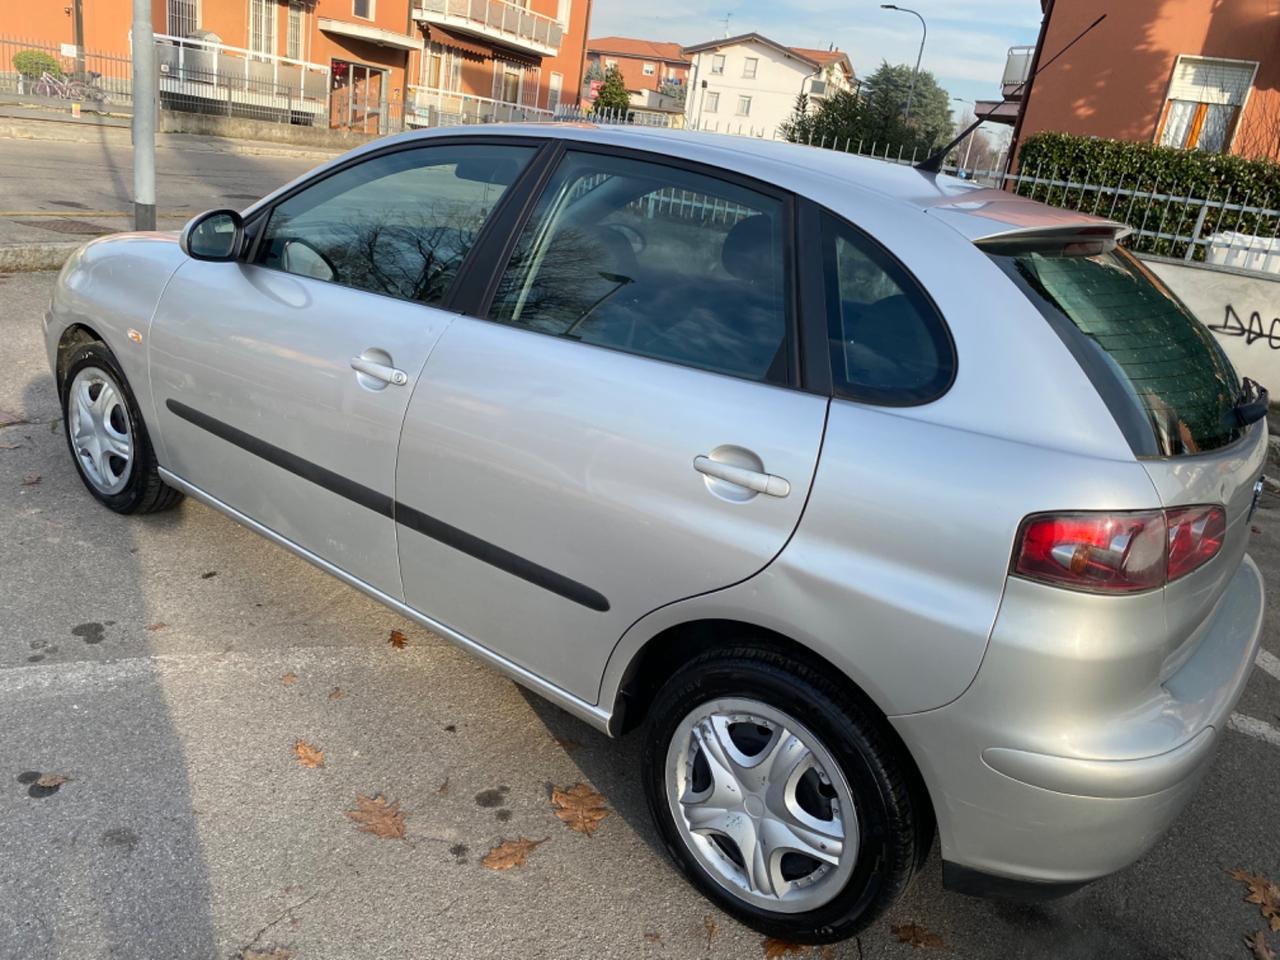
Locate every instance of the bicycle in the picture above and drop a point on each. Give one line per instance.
(74, 87)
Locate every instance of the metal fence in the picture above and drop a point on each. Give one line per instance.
(95, 82)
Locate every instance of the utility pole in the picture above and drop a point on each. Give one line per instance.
(144, 117)
(77, 29)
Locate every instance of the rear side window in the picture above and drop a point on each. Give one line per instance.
(888, 343)
(1167, 362)
(657, 261)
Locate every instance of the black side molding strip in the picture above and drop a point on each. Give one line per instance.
(403, 514)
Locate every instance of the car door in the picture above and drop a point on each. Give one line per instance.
(623, 430)
(281, 383)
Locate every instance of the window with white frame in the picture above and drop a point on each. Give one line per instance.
(563, 8)
(744, 106)
(649, 69)
(717, 63)
(749, 67)
(362, 9)
(610, 64)
(183, 18)
(712, 102)
(1204, 103)
(554, 85)
(293, 41)
(262, 26)
(441, 68)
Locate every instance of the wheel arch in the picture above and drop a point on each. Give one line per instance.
(75, 335)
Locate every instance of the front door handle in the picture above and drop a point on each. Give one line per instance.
(755, 480)
(379, 371)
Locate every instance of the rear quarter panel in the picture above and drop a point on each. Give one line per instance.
(112, 285)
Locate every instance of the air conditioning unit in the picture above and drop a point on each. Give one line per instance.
(818, 88)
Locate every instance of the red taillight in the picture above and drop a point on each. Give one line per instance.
(1118, 552)
(1195, 537)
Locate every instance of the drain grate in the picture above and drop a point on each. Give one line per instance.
(67, 225)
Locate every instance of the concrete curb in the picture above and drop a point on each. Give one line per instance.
(28, 257)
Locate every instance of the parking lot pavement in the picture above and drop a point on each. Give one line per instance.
(166, 667)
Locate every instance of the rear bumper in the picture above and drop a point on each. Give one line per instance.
(1055, 782)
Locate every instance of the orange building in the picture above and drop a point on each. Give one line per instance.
(373, 65)
(1192, 74)
(644, 64)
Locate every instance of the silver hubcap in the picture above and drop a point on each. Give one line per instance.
(762, 805)
(99, 427)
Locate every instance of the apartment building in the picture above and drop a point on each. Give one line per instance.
(1189, 74)
(370, 65)
(656, 74)
(749, 84)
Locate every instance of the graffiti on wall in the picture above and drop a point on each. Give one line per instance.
(1252, 332)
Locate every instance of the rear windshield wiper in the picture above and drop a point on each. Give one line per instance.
(1253, 403)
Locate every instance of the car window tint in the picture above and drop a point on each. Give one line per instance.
(657, 261)
(888, 344)
(398, 224)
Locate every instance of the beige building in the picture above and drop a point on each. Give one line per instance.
(748, 84)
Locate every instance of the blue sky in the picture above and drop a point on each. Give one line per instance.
(965, 49)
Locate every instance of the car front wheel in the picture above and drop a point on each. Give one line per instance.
(782, 795)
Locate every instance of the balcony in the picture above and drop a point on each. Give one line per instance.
(238, 81)
(1017, 68)
(495, 20)
(430, 107)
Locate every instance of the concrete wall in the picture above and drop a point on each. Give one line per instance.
(1242, 310)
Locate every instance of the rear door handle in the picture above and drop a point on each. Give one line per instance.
(380, 371)
(765, 483)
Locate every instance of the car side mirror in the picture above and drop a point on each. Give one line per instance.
(216, 235)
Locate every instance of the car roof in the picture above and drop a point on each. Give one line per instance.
(977, 212)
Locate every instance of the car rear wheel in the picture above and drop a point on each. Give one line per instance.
(781, 795)
(106, 436)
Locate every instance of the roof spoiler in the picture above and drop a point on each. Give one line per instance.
(1083, 238)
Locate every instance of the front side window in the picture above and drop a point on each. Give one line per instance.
(656, 261)
(717, 63)
(744, 106)
(749, 67)
(362, 9)
(713, 102)
(183, 18)
(293, 46)
(888, 344)
(649, 69)
(399, 224)
(1204, 101)
(262, 26)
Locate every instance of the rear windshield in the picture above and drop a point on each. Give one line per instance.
(1164, 360)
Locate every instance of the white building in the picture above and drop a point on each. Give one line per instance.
(748, 84)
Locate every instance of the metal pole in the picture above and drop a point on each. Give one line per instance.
(911, 91)
(144, 118)
(77, 26)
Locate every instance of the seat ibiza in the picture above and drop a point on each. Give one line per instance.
(880, 502)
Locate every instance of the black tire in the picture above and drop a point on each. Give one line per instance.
(895, 824)
(144, 491)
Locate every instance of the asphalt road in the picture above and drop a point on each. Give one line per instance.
(143, 659)
(82, 181)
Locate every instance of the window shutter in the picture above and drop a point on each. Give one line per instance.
(1203, 80)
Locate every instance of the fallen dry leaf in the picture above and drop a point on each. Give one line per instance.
(8, 419)
(511, 853)
(774, 948)
(1257, 945)
(397, 639)
(650, 937)
(914, 935)
(308, 755)
(51, 780)
(153, 627)
(579, 807)
(289, 678)
(335, 693)
(31, 479)
(278, 953)
(374, 815)
(443, 788)
(712, 929)
(10, 446)
(1265, 893)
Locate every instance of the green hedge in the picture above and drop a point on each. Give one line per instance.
(34, 63)
(1119, 164)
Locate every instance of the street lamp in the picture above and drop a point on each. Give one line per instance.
(925, 28)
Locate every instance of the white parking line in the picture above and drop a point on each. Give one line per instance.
(1269, 662)
(1257, 729)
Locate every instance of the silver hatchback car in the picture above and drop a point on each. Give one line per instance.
(881, 501)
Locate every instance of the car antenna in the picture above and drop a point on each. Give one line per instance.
(933, 162)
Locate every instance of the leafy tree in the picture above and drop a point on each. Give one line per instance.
(613, 97)
(873, 117)
(594, 72)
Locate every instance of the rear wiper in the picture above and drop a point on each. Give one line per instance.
(1253, 403)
